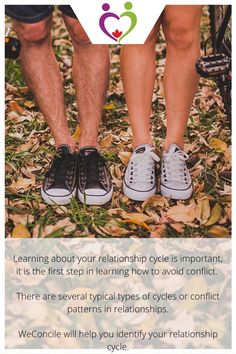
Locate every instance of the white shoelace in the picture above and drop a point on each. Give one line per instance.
(175, 167)
(141, 166)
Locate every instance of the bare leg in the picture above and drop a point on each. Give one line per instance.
(181, 25)
(138, 70)
(43, 76)
(90, 73)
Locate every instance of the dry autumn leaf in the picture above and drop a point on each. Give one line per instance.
(215, 215)
(154, 201)
(158, 232)
(218, 144)
(109, 106)
(15, 107)
(203, 210)
(20, 231)
(21, 218)
(76, 134)
(218, 231)
(124, 157)
(106, 142)
(21, 184)
(137, 222)
(182, 213)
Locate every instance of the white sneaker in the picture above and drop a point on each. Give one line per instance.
(176, 181)
(140, 177)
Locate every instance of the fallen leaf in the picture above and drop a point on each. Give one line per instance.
(154, 201)
(21, 218)
(139, 217)
(20, 231)
(178, 227)
(137, 222)
(218, 144)
(76, 134)
(158, 232)
(215, 215)
(109, 106)
(182, 213)
(124, 157)
(15, 107)
(203, 210)
(29, 104)
(106, 142)
(21, 184)
(218, 231)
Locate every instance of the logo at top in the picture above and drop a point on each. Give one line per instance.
(117, 35)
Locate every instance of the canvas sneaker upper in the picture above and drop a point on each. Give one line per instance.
(60, 181)
(176, 181)
(140, 175)
(94, 181)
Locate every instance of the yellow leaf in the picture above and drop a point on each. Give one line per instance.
(29, 104)
(137, 222)
(182, 213)
(76, 134)
(218, 144)
(124, 157)
(215, 215)
(106, 142)
(20, 231)
(109, 106)
(218, 231)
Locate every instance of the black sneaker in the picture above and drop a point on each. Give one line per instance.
(60, 182)
(94, 182)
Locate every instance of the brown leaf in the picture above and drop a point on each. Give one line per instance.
(29, 104)
(178, 227)
(138, 217)
(156, 200)
(124, 157)
(15, 107)
(203, 210)
(21, 184)
(137, 222)
(215, 215)
(20, 231)
(106, 142)
(182, 213)
(218, 231)
(21, 218)
(158, 232)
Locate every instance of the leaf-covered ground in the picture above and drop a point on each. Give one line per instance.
(29, 150)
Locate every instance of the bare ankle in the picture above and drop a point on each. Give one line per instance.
(177, 142)
(66, 141)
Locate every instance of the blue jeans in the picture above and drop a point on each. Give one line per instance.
(35, 13)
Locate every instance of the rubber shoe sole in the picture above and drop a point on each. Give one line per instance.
(89, 199)
(56, 199)
(138, 196)
(176, 194)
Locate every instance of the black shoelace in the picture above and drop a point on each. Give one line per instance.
(62, 169)
(91, 168)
